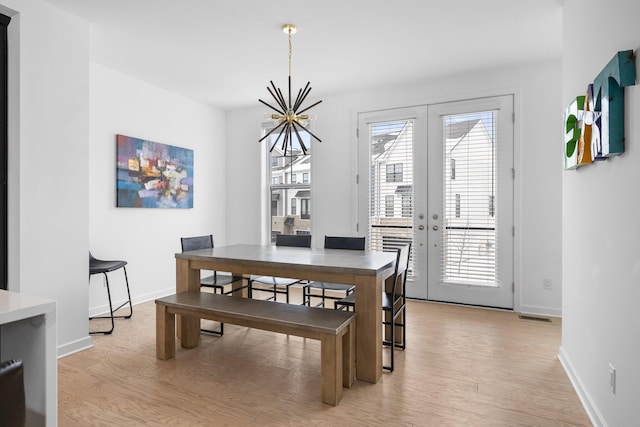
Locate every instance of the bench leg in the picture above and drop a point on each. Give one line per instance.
(331, 368)
(349, 355)
(165, 333)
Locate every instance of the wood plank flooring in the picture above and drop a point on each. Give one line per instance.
(463, 367)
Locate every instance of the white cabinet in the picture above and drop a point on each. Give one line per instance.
(28, 332)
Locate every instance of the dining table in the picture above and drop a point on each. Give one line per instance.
(366, 270)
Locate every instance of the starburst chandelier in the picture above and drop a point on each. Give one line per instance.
(290, 118)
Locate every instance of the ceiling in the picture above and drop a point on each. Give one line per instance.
(224, 53)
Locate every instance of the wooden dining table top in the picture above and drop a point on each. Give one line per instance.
(293, 258)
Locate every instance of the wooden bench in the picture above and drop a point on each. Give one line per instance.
(335, 329)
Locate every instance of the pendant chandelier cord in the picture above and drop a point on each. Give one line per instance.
(290, 52)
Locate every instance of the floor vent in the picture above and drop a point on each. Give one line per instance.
(537, 319)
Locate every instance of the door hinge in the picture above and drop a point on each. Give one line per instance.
(357, 227)
(513, 173)
(513, 230)
(357, 178)
(357, 132)
(513, 287)
(513, 117)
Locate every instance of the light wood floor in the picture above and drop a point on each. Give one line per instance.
(463, 367)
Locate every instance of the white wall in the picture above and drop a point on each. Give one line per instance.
(48, 151)
(61, 172)
(537, 89)
(601, 244)
(149, 238)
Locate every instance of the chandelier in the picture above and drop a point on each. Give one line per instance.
(291, 117)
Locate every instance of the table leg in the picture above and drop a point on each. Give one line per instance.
(239, 284)
(368, 328)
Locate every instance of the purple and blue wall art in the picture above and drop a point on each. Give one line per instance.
(153, 175)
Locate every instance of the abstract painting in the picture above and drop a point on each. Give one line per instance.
(153, 175)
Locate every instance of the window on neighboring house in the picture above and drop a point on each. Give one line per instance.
(452, 164)
(388, 206)
(457, 205)
(305, 209)
(492, 207)
(407, 206)
(287, 195)
(394, 172)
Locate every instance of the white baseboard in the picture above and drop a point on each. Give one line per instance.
(85, 343)
(74, 347)
(104, 308)
(591, 409)
(540, 311)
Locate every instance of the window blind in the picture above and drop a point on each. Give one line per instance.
(470, 199)
(391, 185)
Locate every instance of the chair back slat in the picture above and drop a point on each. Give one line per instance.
(353, 243)
(295, 240)
(402, 266)
(197, 242)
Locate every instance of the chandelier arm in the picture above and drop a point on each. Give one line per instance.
(304, 95)
(310, 107)
(300, 141)
(287, 132)
(301, 96)
(280, 97)
(270, 106)
(278, 138)
(295, 104)
(309, 132)
(270, 132)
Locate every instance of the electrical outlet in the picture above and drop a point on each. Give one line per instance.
(612, 378)
(546, 283)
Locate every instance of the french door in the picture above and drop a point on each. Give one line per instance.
(391, 186)
(440, 176)
(470, 202)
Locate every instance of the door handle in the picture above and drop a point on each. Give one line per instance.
(436, 228)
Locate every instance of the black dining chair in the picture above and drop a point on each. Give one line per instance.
(280, 285)
(331, 242)
(216, 281)
(13, 411)
(394, 304)
(99, 266)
